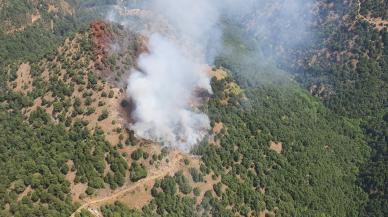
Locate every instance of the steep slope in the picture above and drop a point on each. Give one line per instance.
(30, 29)
(347, 69)
(344, 65)
(275, 149)
(64, 137)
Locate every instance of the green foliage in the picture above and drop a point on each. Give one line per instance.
(38, 40)
(282, 111)
(104, 115)
(196, 175)
(168, 203)
(196, 192)
(91, 79)
(137, 172)
(377, 9)
(168, 185)
(119, 210)
(111, 94)
(84, 213)
(119, 166)
(182, 182)
(34, 154)
(355, 86)
(315, 174)
(19, 186)
(137, 154)
(90, 191)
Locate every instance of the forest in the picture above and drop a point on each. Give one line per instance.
(296, 140)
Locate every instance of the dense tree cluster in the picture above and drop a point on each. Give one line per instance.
(138, 171)
(119, 210)
(320, 150)
(358, 80)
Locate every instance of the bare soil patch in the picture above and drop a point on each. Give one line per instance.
(266, 212)
(213, 141)
(77, 190)
(277, 147)
(71, 174)
(24, 193)
(218, 127)
(24, 80)
(52, 8)
(35, 17)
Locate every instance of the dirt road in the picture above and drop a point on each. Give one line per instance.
(165, 170)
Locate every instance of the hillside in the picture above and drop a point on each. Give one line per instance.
(30, 29)
(348, 72)
(72, 103)
(296, 129)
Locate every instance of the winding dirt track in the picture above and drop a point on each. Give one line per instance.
(163, 171)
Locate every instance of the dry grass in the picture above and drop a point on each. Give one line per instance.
(139, 197)
(233, 88)
(77, 190)
(218, 73)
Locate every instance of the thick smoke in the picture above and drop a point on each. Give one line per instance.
(171, 72)
(175, 66)
(162, 94)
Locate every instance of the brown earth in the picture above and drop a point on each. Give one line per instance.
(277, 147)
(113, 43)
(24, 193)
(35, 17)
(23, 81)
(101, 38)
(52, 8)
(218, 127)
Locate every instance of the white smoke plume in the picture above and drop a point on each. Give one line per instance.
(172, 70)
(163, 89)
(162, 95)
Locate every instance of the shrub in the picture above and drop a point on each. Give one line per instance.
(104, 115)
(137, 172)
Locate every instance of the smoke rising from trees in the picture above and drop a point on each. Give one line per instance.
(174, 67)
